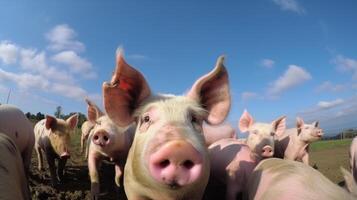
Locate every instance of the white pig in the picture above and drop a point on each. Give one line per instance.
(14, 124)
(86, 128)
(278, 179)
(353, 158)
(13, 182)
(232, 162)
(168, 159)
(294, 143)
(107, 141)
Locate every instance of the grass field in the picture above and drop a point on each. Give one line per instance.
(329, 155)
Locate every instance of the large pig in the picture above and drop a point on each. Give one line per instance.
(215, 133)
(294, 143)
(353, 158)
(261, 135)
(232, 161)
(14, 124)
(278, 179)
(107, 141)
(13, 182)
(86, 128)
(53, 137)
(168, 158)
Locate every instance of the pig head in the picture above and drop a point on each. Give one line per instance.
(168, 158)
(308, 132)
(261, 135)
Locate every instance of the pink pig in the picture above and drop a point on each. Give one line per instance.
(232, 161)
(294, 143)
(168, 159)
(353, 158)
(106, 141)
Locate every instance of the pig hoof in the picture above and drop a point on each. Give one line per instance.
(94, 191)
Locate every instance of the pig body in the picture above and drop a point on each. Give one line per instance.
(86, 128)
(168, 159)
(13, 184)
(215, 133)
(294, 144)
(231, 165)
(278, 179)
(106, 141)
(53, 138)
(353, 158)
(14, 124)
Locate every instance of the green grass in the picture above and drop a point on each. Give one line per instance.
(330, 144)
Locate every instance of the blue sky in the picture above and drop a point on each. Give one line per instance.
(284, 57)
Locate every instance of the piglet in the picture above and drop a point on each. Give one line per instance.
(168, 159)
(53, 138)
(294, 143)
(233, 161)
(278, 179)
(215, 133)
(86, 128)
(106, 141)
(353, 158)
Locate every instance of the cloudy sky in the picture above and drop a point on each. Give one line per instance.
(284, 57)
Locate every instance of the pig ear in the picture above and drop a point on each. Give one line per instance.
(212, 92)
(126, 91)
(299, 122)
(349, 181)
(316, 124)
(72, 121)
(50, 122)
(93, 112)
(279, 126)
(245, 121)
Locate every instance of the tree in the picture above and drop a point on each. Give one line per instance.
(58, 112)
(40, 116)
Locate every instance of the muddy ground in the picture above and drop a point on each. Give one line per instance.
(77, 184)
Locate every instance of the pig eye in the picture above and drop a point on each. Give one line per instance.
(272, 133)
(145, 119)
(194, 119)
(98, 122)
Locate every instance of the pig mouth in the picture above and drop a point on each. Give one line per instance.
(174, 185)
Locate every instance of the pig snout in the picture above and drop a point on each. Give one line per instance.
(319, 133)
(101, 138)
(176, 164)
(65, 155)
(267, 151)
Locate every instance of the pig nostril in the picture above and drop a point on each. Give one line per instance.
(188, 164)
(96, 137)
(164, 163)
(270, 151)
(105, 138)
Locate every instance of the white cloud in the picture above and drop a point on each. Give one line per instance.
(25, 80)
(249, 95)
(76, 63)
(330, 104)
(70, 91)
(346, 64)
(62, 37)
(267, 63)
(8, 52)
(292, 77)
(330, 87)
(290, 5)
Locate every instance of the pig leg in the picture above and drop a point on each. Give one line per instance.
(52, 166)
(82, 143)
(39, 158)
(94, 160)
(60, 169)
(118, 173)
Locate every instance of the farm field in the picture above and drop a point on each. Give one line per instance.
(328, 156)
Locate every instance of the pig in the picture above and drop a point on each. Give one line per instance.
(86, 128)
(261, 135)
(168, 158)
(233, 161)
(13, 184)
(278, 179)
(107, 140)
(15, 124)
(52, 136)
(294, 143)
(215, 133)
(353, 158)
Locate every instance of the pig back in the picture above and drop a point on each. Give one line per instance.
(13, 184)
(14, 124)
